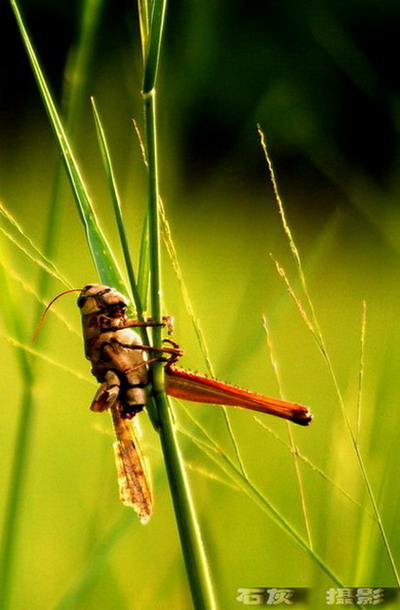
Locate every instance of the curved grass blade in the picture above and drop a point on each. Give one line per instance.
(144, 24)
(76, 75)
(99, 248)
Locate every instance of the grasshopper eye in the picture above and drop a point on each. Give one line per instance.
(81, 301)
(115, 310)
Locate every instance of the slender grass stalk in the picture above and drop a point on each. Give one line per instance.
(361, 369)
(24, 243)
(313, 325)
(314, 467)
(149, 101)
(144, 254)
(360, 460)
(166, 233)
(190, 536)
(189, 531)
(211, 448)
(293, 448)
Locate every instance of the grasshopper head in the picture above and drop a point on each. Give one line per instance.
(100, 299)
(95, 300)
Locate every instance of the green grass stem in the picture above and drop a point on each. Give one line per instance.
(144, 265)
(193, 549)
(190, 536)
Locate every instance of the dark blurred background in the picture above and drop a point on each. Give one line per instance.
(320, 77)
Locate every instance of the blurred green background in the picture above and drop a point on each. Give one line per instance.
(319, 79)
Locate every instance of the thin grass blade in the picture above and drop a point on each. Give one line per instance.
(99, 248)
(144, 11)
(154, 45)
(106, 157)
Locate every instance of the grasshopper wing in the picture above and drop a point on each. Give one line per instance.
(134, 488)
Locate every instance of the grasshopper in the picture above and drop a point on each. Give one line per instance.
(120, 364)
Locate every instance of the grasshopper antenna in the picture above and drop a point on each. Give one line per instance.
(44, 314)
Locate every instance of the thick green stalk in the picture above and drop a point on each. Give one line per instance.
(149, 100)
(189, 531)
